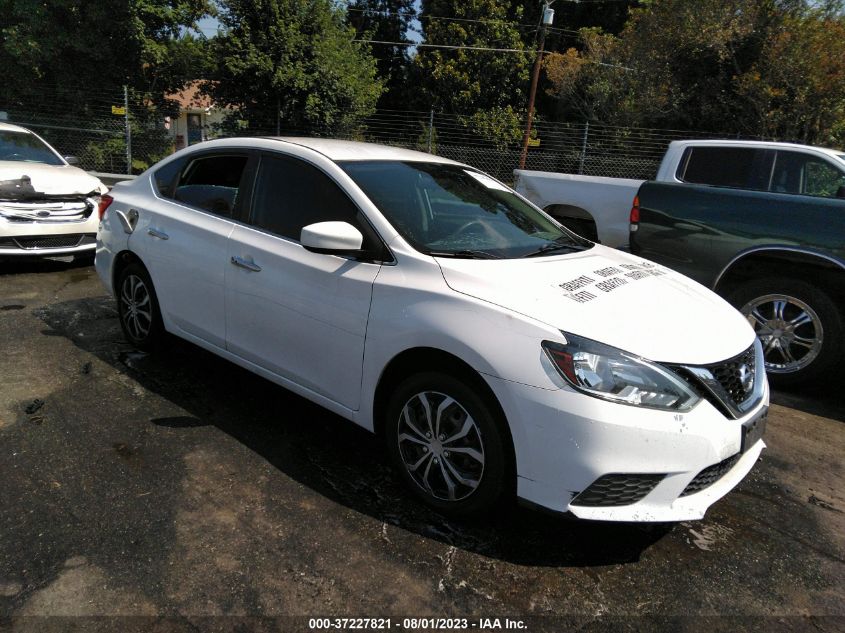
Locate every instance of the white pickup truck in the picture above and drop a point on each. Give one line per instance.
(596, 207)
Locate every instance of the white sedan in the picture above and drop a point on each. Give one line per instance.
(48, 207)
(494, 351)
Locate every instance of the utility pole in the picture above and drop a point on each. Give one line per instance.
(546, 20)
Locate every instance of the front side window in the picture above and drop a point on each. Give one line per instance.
(800, 173)
(211, 183)
(291, 194)
(450, 210)
(26, 148)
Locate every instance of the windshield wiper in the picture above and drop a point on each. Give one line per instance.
(550, 248)
(464, 254)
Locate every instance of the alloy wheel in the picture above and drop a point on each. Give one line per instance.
(441, 446)
(790, 330)
(136, 307)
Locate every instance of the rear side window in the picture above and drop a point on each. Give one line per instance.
(210, 183)
(737, 167)
(166, 177)
(291, 194)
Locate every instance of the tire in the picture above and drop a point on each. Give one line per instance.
(138, 309)
(796, 354)
(427, 464)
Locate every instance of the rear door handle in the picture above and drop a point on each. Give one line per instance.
(159, 234)
(249, 265)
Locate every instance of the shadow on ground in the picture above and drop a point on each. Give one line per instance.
(328, 454)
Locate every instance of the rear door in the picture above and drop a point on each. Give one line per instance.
(182, 237)
(299, 314)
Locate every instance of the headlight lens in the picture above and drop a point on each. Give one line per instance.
(611, 374)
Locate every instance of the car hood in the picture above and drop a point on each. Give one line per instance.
(52, 180)
(612, 297)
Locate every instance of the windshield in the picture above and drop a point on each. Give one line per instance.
(25, 147)
(453, 211)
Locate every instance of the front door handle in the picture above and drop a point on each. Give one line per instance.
(243, 263)
(159, 234)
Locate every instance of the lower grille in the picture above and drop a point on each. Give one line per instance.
(617, 490)
(710, 475)
(49, 241)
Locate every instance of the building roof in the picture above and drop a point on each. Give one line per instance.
(191, 98)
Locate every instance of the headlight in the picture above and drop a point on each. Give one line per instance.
(611, 374)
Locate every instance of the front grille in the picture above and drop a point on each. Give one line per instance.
(730, 375)
(617, 490)
(710, 475)
(729, 385)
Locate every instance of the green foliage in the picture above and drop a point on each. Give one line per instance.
(299, 56)
(488, 88)
(771, 68)
(65, 48)
(386, 21)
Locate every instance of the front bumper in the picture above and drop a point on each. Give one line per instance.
(48, 238)
(567, 441)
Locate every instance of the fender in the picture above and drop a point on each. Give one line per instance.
(776, 248)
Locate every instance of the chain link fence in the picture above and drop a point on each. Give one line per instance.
(119, 133)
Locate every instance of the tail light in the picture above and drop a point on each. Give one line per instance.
(635, 214)
(105, 201)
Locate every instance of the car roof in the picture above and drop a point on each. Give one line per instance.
(758, 144)
(333, 149)
(9, 127)
(338, 149)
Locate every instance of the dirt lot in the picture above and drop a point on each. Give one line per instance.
(178, 485)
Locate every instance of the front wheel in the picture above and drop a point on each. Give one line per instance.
(445, 441)
(798, 325)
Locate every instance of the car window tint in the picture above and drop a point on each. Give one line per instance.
(291, 194)
(738, 167)
(165, 177)
(801, 173)
(211, 183)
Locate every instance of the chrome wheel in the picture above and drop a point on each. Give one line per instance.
(790, 330)
(136, 307)
(440, 446)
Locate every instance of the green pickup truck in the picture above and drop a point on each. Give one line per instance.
(763, 224)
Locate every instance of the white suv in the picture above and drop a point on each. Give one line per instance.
(47, 206)
(493, 350)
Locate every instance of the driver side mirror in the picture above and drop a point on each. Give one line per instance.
(840, 193)
(332, 238)
(72, 160)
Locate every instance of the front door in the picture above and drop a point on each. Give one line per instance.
(299, 314)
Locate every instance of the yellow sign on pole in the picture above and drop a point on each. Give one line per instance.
(533, 142)
(118, 110)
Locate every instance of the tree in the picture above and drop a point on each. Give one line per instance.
(488, 87)
(387, 21)
(769, 68)
(65, 50)
(293, 63)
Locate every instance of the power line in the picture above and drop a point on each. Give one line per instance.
(418, 16)
(462, 48)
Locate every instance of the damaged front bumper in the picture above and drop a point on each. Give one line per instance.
(50, 226)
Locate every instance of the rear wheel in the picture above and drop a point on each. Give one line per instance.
(445, 441)
(798, 325)
(137, 307)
